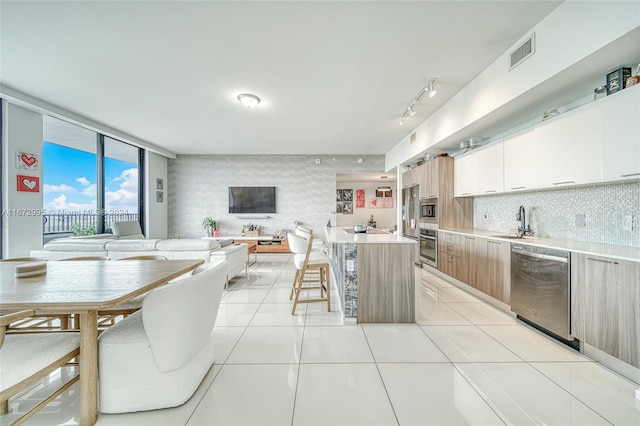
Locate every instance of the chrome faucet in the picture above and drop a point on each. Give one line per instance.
(523, 228)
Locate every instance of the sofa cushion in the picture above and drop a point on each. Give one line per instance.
(131, 245)
(129, 228)
(75, 244)
(93, 237)
(187, 245)
(224, 243)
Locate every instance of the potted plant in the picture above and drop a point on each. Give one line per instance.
(209, 224)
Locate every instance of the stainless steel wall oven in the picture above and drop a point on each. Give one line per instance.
(429, 247)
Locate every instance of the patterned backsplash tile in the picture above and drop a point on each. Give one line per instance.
(305, 191)
(552, 213)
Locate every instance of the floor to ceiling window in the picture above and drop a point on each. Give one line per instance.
(89, 180)
(121, 181)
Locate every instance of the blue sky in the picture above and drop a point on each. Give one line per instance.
(69, 181)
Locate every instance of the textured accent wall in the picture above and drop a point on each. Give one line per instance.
(552, 213)
(305, 191)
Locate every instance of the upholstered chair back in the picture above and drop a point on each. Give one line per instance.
(297, 243)
(127, 229)
(179, 317)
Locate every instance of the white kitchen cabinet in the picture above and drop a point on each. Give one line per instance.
(520, 162)
(620, 134)
(491, 169)
(568, 148)
(466, 172)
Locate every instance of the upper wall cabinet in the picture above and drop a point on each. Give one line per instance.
(429, 181)
(465, 175)
(520, 162)
(491, 168)
(568, 148)
(410, 178)
(598, 142)
(481, 172)
(620, 135)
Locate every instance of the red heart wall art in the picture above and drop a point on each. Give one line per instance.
(27, 161)
(28, 183)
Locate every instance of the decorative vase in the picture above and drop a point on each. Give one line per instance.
(208, 232)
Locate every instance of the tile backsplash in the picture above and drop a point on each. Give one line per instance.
(556, 213)
(305, 189)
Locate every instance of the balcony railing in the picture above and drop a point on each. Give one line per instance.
(55, 223)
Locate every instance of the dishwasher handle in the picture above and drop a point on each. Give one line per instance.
(541, 256)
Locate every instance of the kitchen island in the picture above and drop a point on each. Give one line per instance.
(375, 275)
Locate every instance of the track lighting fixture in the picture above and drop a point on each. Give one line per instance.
(410, 111)
(431, 88)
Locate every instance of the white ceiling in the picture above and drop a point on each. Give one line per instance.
(333, 76)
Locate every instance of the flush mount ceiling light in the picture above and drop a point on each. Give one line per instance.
(410, 111)
(249, 100)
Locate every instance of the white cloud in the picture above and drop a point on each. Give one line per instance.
(60, 205)
(126, 197)
(57, 188)
(83, 181)
(90, 191)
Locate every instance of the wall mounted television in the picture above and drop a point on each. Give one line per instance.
(252, 199)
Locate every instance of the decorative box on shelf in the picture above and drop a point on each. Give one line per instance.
(252, 231)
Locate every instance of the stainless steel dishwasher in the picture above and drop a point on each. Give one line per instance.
(540, 290)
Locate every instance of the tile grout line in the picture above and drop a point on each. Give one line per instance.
(375, 362)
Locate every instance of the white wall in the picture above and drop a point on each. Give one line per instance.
(385, 218)
(156, 220)
(21, 131)
(305, 190)
(570, 33)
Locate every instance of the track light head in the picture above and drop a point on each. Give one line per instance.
(432, 88)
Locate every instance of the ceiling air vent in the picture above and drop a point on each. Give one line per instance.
(526, 50)
(413, 138)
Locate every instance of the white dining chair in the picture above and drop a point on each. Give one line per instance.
(28, 358)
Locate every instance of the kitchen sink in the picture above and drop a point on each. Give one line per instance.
(510, 236)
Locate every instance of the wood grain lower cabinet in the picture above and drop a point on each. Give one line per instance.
(492, 274)
(481, 263)
(605, 305)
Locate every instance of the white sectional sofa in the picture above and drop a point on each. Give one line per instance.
(117, 247)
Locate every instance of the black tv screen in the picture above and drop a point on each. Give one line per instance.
(252, 199)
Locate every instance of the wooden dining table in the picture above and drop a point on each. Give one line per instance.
(83, 288)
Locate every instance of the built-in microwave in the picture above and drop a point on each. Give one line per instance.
(429, 210)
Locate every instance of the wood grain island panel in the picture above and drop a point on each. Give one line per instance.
(375, 275)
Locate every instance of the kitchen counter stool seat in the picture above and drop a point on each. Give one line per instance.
(311, 267)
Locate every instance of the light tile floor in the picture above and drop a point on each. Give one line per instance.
(463, 362)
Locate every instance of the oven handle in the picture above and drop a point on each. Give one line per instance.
(426, 237)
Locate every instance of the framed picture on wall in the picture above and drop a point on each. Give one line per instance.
(159, 196)
(347, 195)
(159, 184)
(339, 207)
(347, 207)
(384, 193)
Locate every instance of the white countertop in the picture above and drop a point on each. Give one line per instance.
(340, 236)
(595, 249)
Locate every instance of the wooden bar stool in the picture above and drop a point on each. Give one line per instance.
(311, 267)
